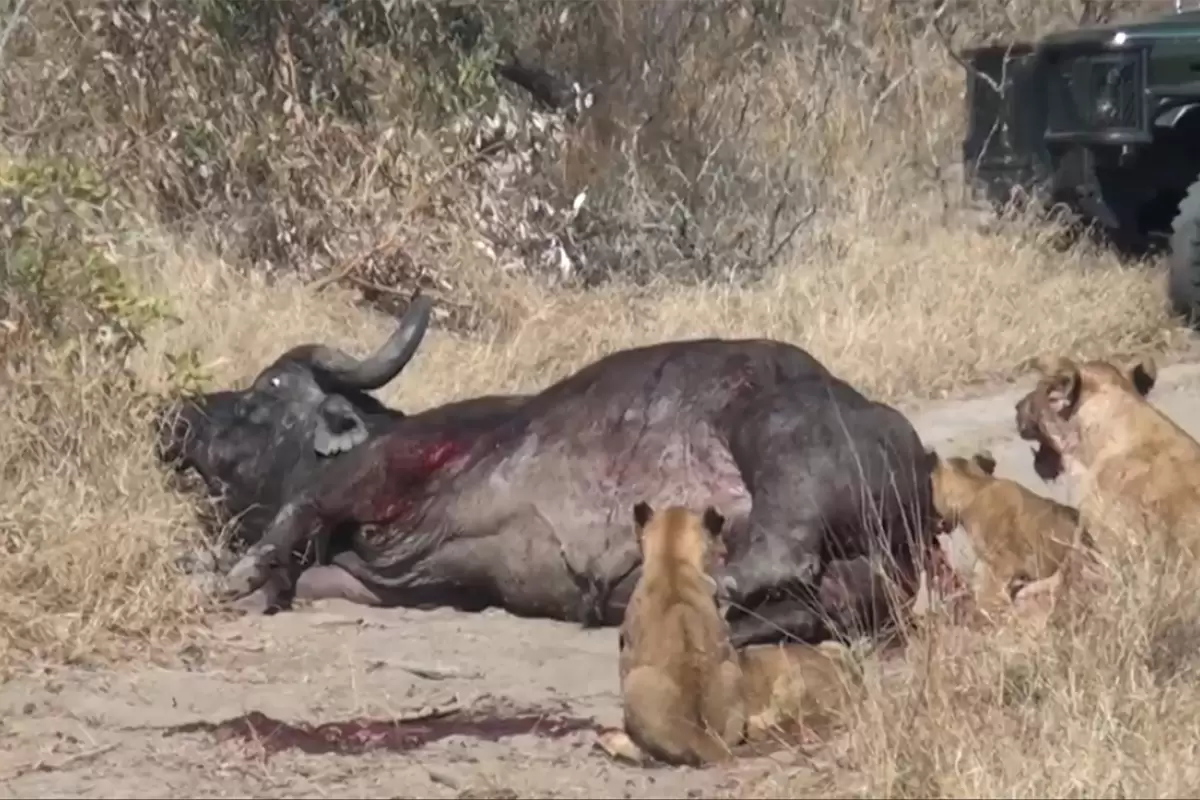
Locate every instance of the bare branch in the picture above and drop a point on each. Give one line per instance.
(16, 17)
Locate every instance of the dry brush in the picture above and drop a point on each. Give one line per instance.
(188, 189)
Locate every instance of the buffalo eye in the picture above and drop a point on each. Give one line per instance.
(276, 382)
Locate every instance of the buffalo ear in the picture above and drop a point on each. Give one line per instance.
(339, 427)
(985, 461)
(714, 522)
(1143, 375)
(642, 513)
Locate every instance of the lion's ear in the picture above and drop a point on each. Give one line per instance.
(1063, 391)
(930, 461)
(714, 522)
(985, 461)
(642, 513)
(1142, 374)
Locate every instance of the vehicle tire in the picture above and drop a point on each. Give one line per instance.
(1183, 281)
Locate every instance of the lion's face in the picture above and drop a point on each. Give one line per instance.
(952, 480)
(1049, 414)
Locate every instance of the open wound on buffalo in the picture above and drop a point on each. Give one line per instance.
(419, 458)
(360, 735)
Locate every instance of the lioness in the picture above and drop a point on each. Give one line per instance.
(1019, 537)
(680, 679)
(1136, 469)
(800, 685)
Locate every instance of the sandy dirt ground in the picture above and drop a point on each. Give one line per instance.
(483, 705)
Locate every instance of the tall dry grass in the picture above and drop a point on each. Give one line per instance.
(1101, 703)
(81, 486)
(234, 172)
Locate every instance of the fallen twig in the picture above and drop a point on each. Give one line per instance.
(353, 265)
(434, 673)
(41, 765)
(357, 262)
(443, 778)
(451, 707)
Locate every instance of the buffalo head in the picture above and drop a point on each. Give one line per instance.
(252, 447)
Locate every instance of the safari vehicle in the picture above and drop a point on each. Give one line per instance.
(1105, 120)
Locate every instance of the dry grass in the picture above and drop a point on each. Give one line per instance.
(888, 283)
(898, 318)
(915, 318)
(1103, 703)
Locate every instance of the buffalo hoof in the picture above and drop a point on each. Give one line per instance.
(247, 576)
(809, 571)
(257, 602)
(776, 621)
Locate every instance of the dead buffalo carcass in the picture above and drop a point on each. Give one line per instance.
(525, 502)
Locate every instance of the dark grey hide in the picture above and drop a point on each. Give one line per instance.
(530, 508)
(254, 449)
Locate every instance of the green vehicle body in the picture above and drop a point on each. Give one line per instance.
(1104, 119)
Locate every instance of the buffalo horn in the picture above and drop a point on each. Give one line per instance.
(387, 362)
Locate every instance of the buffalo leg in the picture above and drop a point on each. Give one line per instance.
(608, 585)
(854, 599)
(859, 599)
(362, 489)
(774, 553)
(782, 543)
(271, 564)
(609, 607)
(787, 620)
(533, 584)
(331, 582)
(327, 582)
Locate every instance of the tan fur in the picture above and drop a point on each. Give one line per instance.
(1138, 472)
(681, 684)
(801, 685)
(616, 744)
(1035, 602)
(1019, 537)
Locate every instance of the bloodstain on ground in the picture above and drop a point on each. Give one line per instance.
(358, 736)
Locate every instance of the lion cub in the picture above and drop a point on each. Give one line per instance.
(680, 680)
(1019, 537)
(798, 685)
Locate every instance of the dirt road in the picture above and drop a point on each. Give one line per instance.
(528, 694)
